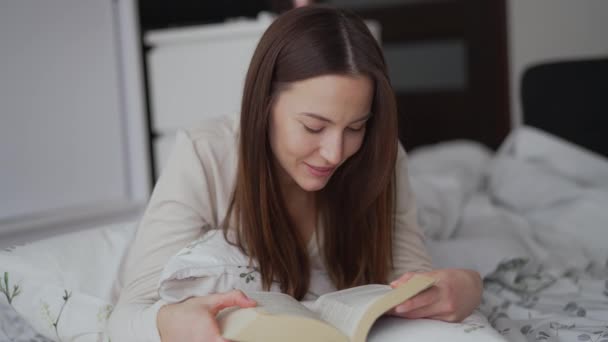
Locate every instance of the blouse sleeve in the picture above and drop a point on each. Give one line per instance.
(177, 213)
(409, 250)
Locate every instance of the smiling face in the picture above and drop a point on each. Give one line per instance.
(317, 124)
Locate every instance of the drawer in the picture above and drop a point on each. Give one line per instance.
(197, 73)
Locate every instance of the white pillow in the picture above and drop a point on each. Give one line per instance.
(443, 177)
(207, 265)
(64, 286)
(555, 185)
(563, 157)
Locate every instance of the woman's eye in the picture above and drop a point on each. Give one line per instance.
(356, 129)
(313, 130)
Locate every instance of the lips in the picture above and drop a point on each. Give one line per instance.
(320, 171)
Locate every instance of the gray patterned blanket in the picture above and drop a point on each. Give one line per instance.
(526, 302)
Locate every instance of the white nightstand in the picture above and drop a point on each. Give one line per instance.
(196, 73)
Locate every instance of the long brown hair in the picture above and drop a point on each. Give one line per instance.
(357, 204)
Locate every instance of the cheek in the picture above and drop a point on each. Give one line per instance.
(302, 145)
(295, 144)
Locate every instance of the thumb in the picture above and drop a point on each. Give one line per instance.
(230, 299)
(403, 279)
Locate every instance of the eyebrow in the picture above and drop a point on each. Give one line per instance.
(322, 118)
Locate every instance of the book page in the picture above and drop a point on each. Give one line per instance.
(353, 311)
(344, 309)
(276, 303)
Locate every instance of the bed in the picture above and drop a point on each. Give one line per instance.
(530, 217)
(532, 225)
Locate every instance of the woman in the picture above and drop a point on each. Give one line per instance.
(315, 160)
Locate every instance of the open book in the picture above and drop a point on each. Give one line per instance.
(345, 315)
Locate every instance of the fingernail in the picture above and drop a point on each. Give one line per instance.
(400, 309)
(394, 283)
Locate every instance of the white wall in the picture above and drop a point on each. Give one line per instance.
(549, 30)
(72, 132)
(59, 117)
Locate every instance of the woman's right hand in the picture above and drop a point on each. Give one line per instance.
(193, 320)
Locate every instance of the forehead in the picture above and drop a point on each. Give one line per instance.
(329, 95)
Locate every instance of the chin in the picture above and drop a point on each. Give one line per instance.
(312, 185)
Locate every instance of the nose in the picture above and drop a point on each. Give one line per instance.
(332, 149)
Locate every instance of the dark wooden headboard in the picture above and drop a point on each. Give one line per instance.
(478, 111)
(568, 99)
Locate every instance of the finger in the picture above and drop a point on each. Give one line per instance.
(214, 329)
(424, 312)
(442, 310)
(404, 278)
(229, 299)
(447, 318)
(424, 299)
(213, 304)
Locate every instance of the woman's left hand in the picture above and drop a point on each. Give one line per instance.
(454, 296)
